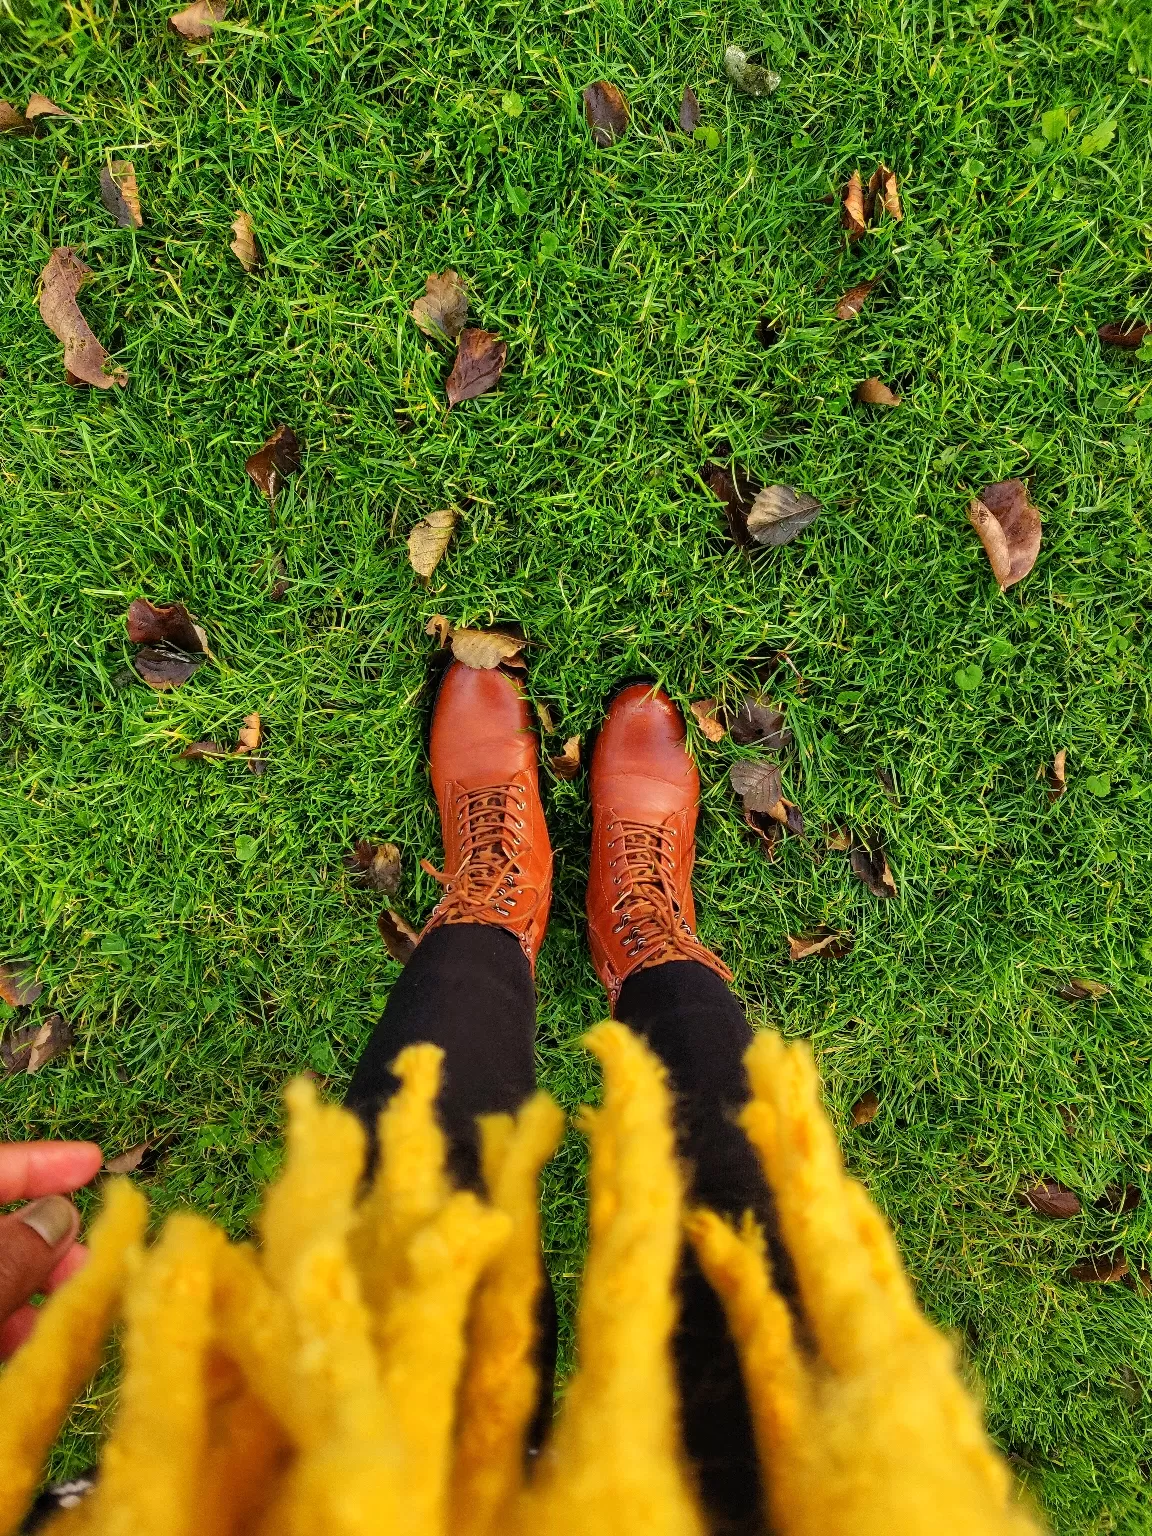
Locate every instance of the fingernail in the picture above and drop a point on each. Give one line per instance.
(51, 1216)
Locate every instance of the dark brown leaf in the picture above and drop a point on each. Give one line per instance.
(758, 785)
(429, 538)
(1067, 1118)
(197, 22)
(605, 112)
(757, 722)
(873, 392)
(825, 942)
(484, 649)
(127, 1162)
(1079, 988)
(866, 1108)
(767, 334)
(398, 934)
(1119, 1199)
(1127, 334)
(779, 513)
(276, 462)
(32, 1047)
(869, 863)
(689, 118)
(84, 357)
(736, 491)
(1140, 1281)
(244, 244)
(18, 985)
(706, 713)
(848, 307)
(1009, 529)
(1057, 783)
(887, 784)
(766, 831)
(1048, 1197)
(852, 208)
(374, 867)
(163, 669)
(199, 749)
(120, 194)
(1101, 1270)
(164, 624)
(480, 359)
(442, 308)
(566, 763)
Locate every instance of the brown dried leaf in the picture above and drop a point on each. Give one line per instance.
(866, 1108)
(1057, 783)
(758, 785)
(250, 735)
(873, 392)
(887, 784)
(707, 715)
(440, 629)
(758, 722)
(689, 118)
(197, 22)
(766, 831)
(1120, 1199)
(1067, 1118)
(848, 307)
(1079, 988)
(1048, 1197)
(1101, 1270)
(127, 1162)
(374, 867)
(732, 487)
(852, 215)
(162, 669)
(84, 357)
(244, 244)
(120, 194)
(566, 763)
(767, 334)
(399, 936)
(42, 106)
(544, 715)
(1009, 529)
(839, 841)
(1140, 1281)
(779, 513)
(429, 539)
(605, 112)
(1127, 334)
(882, 187)
(18, 985)
(869, 863)
(480, 359)
(484, 649)
(200, 749)
(443, 307)
(825, 942)
(12, 120)
(30, 1048)
(276, 462)
(165, 624)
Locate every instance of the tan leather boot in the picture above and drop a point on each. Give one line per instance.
(497, 857)
(645, 791)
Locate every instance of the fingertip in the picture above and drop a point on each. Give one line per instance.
(75, 1258)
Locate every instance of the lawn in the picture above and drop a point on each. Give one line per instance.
(373, 144)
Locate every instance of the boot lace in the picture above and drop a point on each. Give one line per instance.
(489, 824)
(649, 911)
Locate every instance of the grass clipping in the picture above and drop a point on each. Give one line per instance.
(370, 1367)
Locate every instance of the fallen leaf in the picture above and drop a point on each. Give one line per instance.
(566, 763)
(827, 943)
(480, 359)
(42, 106)
(399, 936)
(757, 722)
(374, 867)
(869, 863)
(429, 539)
(162, 669)
(1048, 1197)
(276, 462)
(605, 112)
(1127, 334)
(484, 649)
(32, 1047)
(1120, 1199)
(767, 334)
(84, 357)
(882, 187)
(689, 118)
(250, 736)
(1140, 1281)
(873, 392)
(443, 307)
(707, 716)
(752, 79)
(766, 831)
(839, 841)
(1079, 988)
(164, 624)
(758, 785)
(1101, 1270)
(866, 1108)
(12, 120)
(544, 715)
(18, 985)
(126, 1162)
(850, 305)
(732, 487)
(1009, 529)
(779, 513)
(852, 207)
(887, 784)
(1067, 1118)
(199, 749)
(1057, 783)
(121, 195)
(243, 244)
(197, 22)
(440, 629)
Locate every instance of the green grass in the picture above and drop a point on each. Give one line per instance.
(370, 145)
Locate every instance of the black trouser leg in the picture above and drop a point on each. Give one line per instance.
(467, 988)
(698, 1029)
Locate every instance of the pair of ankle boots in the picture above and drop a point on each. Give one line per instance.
(497, 856)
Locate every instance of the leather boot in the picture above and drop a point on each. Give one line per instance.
(497, 857)
(645, 791)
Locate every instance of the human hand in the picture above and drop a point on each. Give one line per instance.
(38, 1247)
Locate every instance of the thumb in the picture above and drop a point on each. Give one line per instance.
(33, 1240)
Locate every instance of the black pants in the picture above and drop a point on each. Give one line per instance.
(468, 988)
